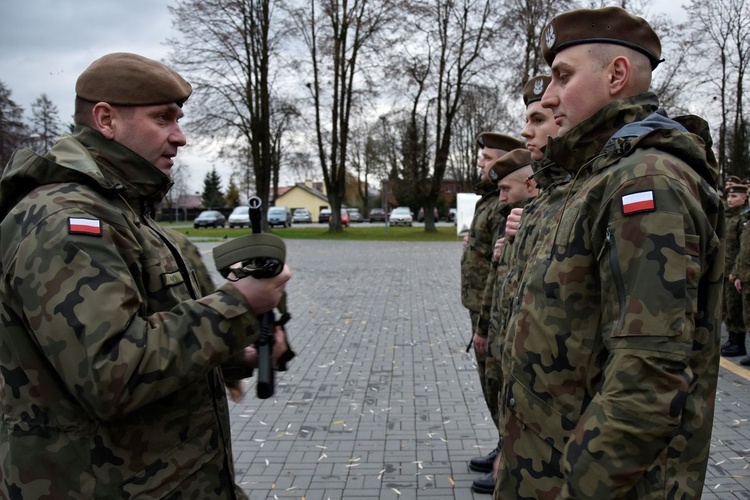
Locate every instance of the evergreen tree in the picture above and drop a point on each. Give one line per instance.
(45, 122)
(212, 196)
(13, 132)
(233, 194)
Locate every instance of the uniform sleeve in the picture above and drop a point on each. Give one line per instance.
(87, 305)
(482, 325)
(650, 266)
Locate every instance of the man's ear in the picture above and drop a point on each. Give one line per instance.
(102, 115)
(619, 74)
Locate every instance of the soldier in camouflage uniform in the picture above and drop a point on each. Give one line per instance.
(111, 386)
(540, 125)
(736, 202)
(614, 334)
(739, 278)
(511, 172)
(476, 258)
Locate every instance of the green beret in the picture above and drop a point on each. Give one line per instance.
(608, 25)
(495, 140)
(127, 79)
(534, 89)
(509, 163)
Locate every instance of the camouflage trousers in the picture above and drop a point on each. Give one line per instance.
(494, 382)
(733, 309)
(745, 307)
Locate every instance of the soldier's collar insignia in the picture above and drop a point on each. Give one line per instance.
(538, 87)
(550, 37)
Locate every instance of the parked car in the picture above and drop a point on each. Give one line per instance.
(451, 215)
(376, 215)
(324, 215)
(279, 216)
(302, 215)
(401, 216)
(344, 217)
(209, 218)
(354, 215)
(435, 216)
(239, 217)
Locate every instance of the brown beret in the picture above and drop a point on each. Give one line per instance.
(495, 140)
(733, 179)
(509, 163)
(608, 25)
(127, 79)
(736, 188)
(534, 89)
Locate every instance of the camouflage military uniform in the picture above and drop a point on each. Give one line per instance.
(491, 364)
(732, 307)
(109, 360)
(476, 260)
(741, 268)
(614, 337)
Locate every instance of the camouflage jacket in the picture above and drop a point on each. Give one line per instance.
(553, 182)
(738, 243)
(477, 255)
(498, 270)
(614, 337)
(482, 325)
(736, 220)
(109, 360)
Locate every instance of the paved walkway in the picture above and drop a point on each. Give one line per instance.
(382, 400)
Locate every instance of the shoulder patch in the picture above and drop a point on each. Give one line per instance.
(638, 202)
(78, 225)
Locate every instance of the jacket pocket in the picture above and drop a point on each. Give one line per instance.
(535, 414)
(164, 475)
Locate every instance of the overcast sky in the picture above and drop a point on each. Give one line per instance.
(46, 44)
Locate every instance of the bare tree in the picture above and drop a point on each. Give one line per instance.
(338, 35)
(226, 49)
(445, 58)
(367, 158)
(518, 43)
(722, 32)
(483, 109)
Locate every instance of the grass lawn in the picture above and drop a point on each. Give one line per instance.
(400, 233)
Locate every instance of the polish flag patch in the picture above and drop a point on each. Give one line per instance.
(638, 202)
(78, 225)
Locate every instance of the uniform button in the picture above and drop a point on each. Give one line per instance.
(512, 402)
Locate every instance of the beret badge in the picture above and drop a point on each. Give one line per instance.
(550, 37)
(538, 87)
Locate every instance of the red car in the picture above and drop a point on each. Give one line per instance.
(344, 218)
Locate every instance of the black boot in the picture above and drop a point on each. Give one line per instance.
(484, 464)
(737, 346)
(745, 361)
(484, 484)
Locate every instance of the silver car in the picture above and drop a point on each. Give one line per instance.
(401, 216)
(302, 215)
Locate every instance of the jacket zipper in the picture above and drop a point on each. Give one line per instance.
(614, 264)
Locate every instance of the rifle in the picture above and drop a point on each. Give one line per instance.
(261, 256)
